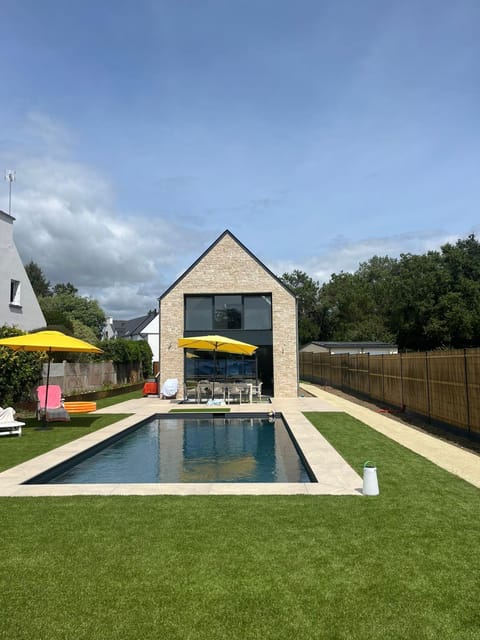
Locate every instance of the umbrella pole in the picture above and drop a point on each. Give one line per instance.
(44, 422)
(214, 373)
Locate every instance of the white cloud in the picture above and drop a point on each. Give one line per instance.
(67, 223)
(344, 255)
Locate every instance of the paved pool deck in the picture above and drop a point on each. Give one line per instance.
(334, 476)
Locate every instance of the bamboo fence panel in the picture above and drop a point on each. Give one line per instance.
(441, 385)
(360, 379)
(472, 369)
(336, 371)
(376, 377)
(392, 380)
(447, 388)
(415, 382)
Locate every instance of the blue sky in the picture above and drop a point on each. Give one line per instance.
(320, 133)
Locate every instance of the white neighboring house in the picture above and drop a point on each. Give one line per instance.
(150, 332)
(18, 303)
(142, 328)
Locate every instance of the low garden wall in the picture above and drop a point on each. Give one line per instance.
(80, 377)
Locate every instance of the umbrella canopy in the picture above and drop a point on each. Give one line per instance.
(48, 341)
(217, 343)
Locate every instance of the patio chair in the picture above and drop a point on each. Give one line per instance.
(256, 388)
(51, 408)
(8, 425)
(236, 389)
(189, 393)
(204, 390)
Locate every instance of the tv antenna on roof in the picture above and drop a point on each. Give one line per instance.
(10, 177)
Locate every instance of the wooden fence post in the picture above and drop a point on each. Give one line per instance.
(401, 381)
(466, 388)
(427, 380)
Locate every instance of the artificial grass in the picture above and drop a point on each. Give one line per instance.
(111, 400)
(404, 564)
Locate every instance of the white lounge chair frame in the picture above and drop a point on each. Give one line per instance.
(11, 428)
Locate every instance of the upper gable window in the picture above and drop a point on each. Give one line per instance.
(15, 288)
(257, 312)
(198, 313)
(228, 312)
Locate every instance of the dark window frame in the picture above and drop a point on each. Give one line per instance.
(213, 296)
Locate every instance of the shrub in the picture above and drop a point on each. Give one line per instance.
(20, 371)
(123, 351)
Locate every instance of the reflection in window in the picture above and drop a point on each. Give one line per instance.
(228, 312)
(203, 365)
(257, 312)
(198, 313)
(15, 292)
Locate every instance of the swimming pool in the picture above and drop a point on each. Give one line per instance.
(190, 449)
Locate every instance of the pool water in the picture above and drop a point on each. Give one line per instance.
(210, 449)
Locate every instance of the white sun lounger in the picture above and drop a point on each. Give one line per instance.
(8, 425)
(11, 428)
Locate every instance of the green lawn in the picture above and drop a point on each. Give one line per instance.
(404, 564)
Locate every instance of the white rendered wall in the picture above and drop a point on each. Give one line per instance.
(25, 315)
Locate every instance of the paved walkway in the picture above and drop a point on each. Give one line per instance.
(458, 461)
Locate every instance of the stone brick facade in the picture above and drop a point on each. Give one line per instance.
(228, 267)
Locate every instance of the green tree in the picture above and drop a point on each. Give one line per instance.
(85, 310)
(309, 312)
(41, 286)
(416, 315)
(460, 306)
(357, 304)
(83, 332)
(58, 321)
(62, 288)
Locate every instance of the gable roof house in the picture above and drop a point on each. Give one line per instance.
(228, 291)
(142, 328)
(133, 329)
(18, 303)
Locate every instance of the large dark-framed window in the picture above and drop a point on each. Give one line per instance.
(228, 312)
(198, 313)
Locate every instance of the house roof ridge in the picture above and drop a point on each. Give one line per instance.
(225, 233)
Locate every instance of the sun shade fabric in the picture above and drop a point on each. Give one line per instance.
(48, 341)
(217, 343)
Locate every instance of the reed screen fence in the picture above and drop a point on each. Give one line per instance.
(443, 386)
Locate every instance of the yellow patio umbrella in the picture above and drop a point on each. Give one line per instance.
(49, 342)
(217, 343)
